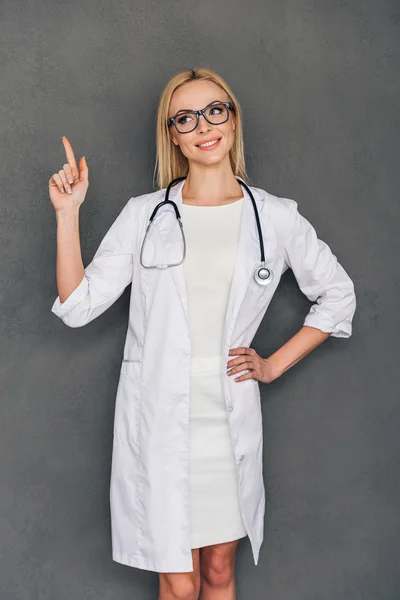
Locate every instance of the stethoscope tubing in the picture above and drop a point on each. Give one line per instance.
(263, 280)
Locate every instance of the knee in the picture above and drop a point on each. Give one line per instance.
(218, 572)
(179, 587)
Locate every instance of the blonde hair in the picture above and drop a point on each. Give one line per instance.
(170, 161)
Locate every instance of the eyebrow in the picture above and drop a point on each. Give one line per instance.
(192, 109)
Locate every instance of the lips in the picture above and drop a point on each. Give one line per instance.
(216, 141)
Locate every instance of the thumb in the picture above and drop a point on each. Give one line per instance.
(83, 170)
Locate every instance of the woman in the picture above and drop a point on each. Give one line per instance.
(187, 480)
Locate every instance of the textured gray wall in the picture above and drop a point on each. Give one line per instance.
(319, 84)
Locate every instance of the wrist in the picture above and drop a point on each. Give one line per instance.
(67, 214)
(275, 367)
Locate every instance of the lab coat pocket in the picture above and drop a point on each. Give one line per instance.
(127, 423)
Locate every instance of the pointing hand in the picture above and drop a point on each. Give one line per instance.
(68, 187)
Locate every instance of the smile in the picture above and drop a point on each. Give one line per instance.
(210, 144)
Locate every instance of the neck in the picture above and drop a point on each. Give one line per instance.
(211, 185)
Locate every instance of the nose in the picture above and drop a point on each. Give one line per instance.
(203, 124)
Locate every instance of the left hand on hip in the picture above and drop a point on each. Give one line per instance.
(260, 368)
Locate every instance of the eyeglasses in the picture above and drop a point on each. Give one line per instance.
(215, 113)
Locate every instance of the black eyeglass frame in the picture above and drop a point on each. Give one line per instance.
(228, 105)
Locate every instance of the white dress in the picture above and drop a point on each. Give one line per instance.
(212, 234)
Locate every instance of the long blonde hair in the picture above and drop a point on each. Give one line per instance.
(170, 161)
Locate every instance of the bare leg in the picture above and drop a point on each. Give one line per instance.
(217, 571)
(181, 586)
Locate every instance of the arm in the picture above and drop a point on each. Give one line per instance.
(323, 280)
(296, 348)
(67, 190)
(69, 266)
(268, 369)
(104, 279)
(86, 293)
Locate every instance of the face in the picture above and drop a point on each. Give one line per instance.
(196, 95)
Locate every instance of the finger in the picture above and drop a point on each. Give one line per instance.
(83, 170)
(239, 360)
(239, 351)
(63, 176)
(59, 182)
(68, 173)
(244, 377)
(70, 156)
(241, 367)
(236, 362)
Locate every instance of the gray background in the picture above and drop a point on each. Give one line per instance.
(319, 85)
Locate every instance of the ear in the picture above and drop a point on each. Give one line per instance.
(172, 137)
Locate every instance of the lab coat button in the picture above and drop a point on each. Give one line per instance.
(230, 408)
(241, 457)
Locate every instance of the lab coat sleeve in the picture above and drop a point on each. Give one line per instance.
(320, 276)
(106, 277)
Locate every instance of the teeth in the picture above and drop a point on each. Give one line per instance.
(208, 143)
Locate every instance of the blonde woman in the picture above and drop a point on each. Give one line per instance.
(187, 477)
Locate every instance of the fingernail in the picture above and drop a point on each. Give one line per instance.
(69, 190)
(62, 190)
(70, 180)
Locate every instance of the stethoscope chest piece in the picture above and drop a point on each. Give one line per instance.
(263, 275)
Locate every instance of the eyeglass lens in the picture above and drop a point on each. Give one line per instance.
(215, 114)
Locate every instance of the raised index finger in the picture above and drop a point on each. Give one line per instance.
(70, 156)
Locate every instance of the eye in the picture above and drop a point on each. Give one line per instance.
(216, 110)
(185, 118)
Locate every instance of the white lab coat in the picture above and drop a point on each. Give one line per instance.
(149, 493)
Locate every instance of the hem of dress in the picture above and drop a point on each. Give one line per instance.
(218, 540)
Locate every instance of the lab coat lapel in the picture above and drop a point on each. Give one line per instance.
(172, 241)
(245, 294)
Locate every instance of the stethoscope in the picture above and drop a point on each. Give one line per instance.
(262, 274)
